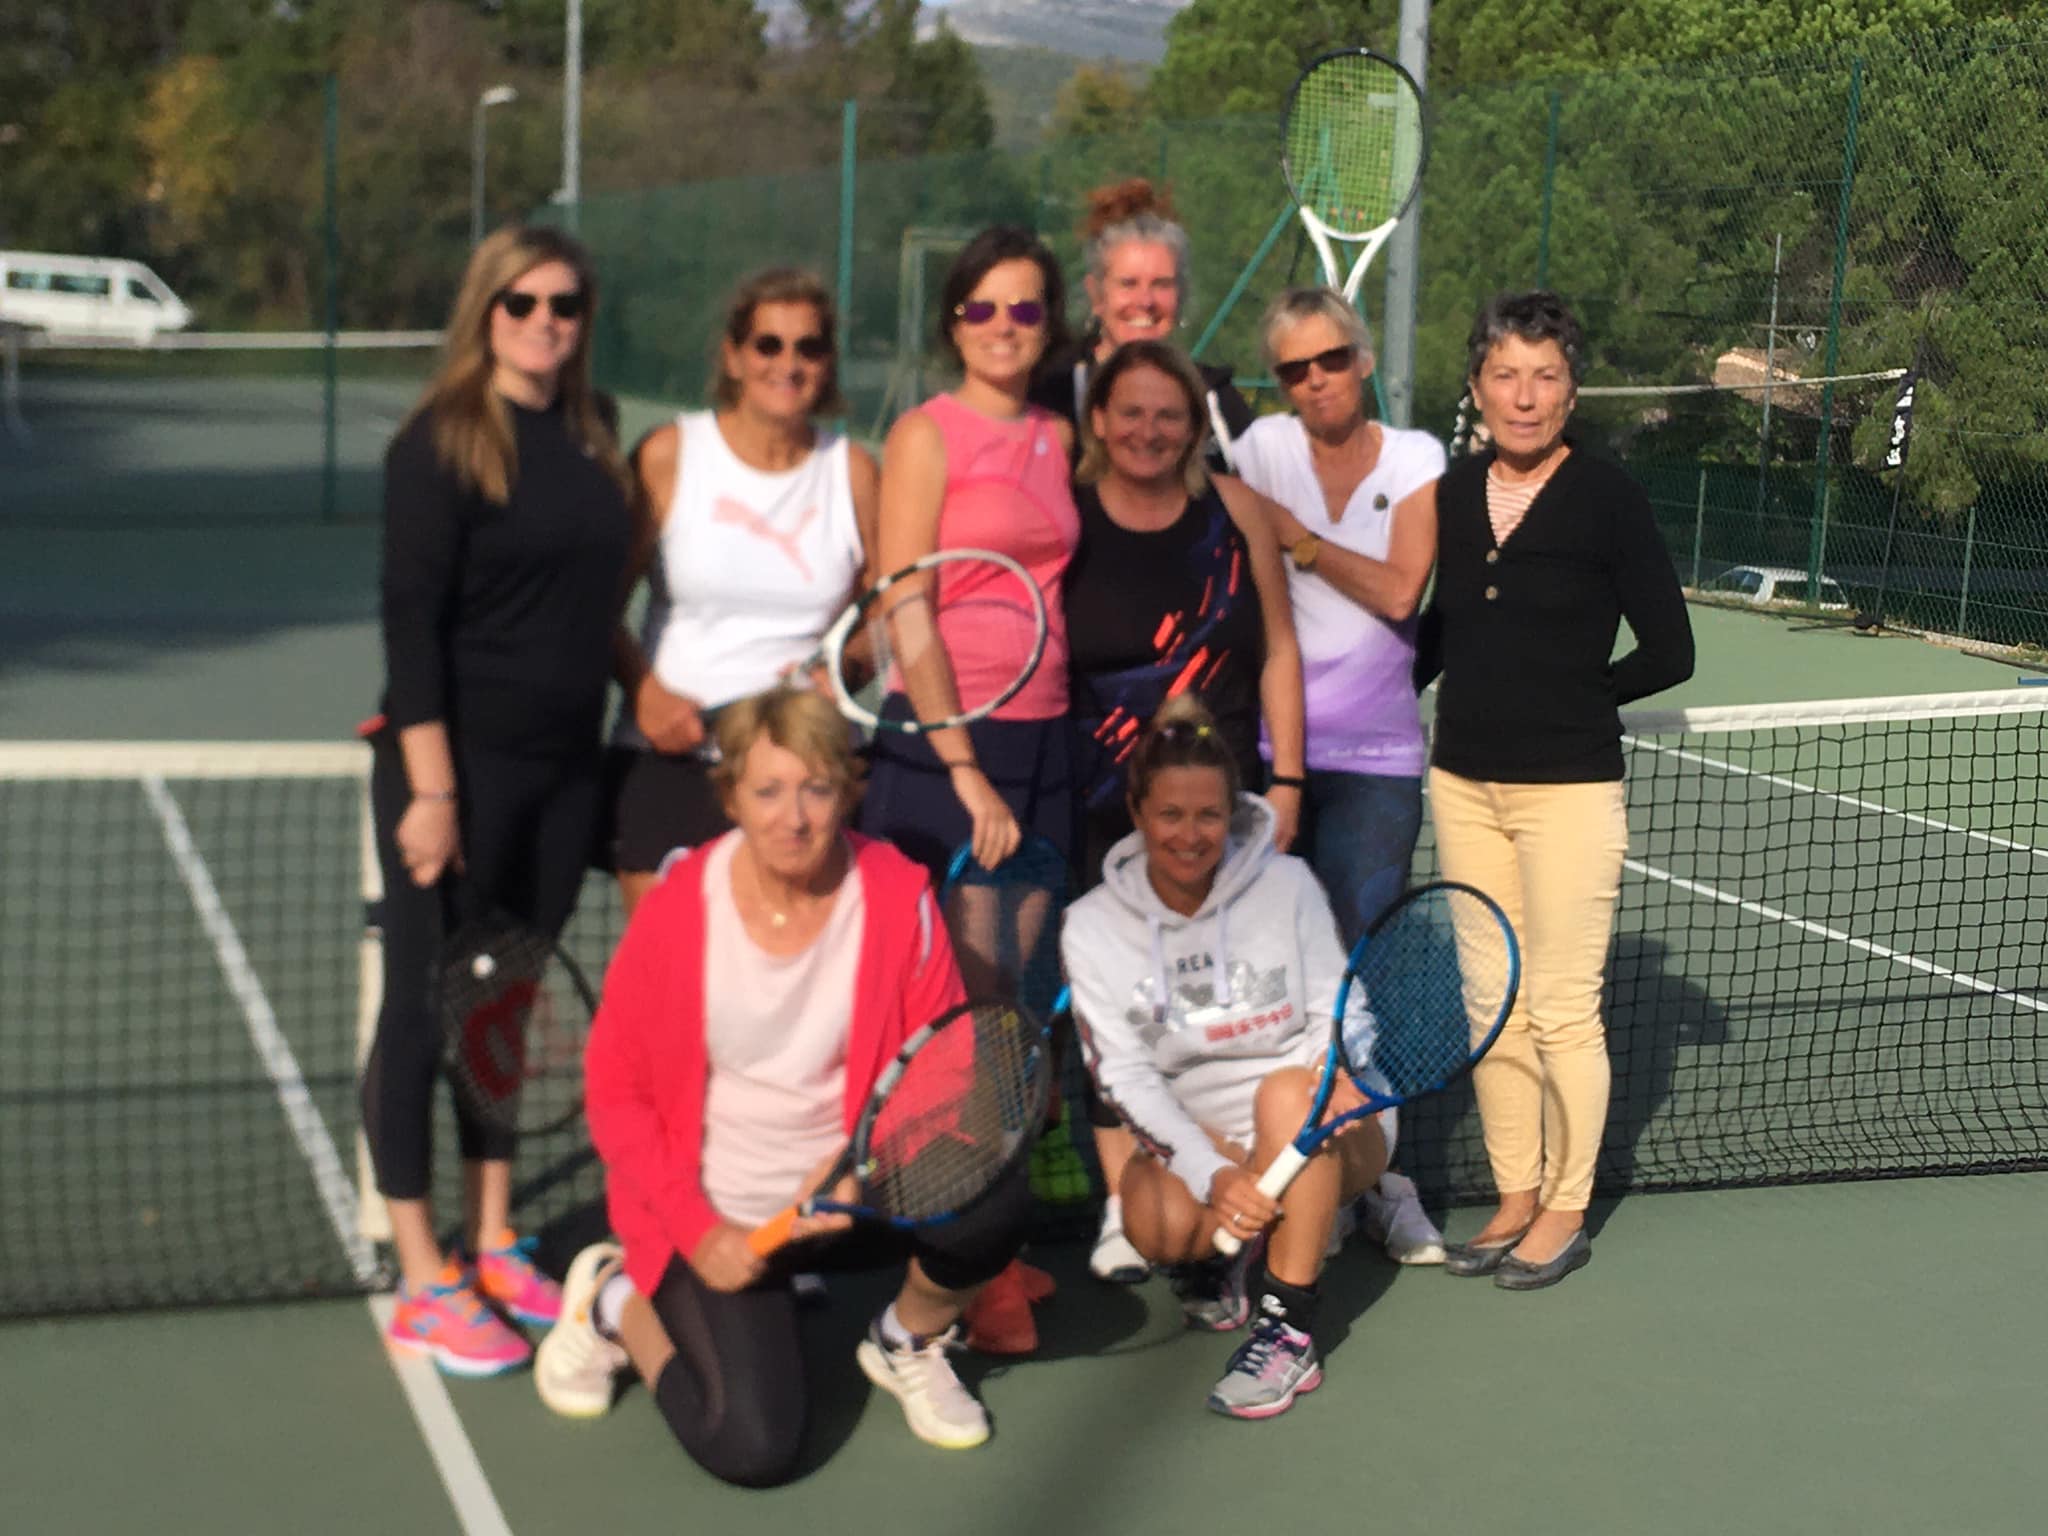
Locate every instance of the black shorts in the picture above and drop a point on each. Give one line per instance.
(657, 803)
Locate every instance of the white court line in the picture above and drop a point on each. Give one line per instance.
(1827, 794)
(476, 1506)
(1839, 936)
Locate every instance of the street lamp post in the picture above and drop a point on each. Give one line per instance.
(496, 96)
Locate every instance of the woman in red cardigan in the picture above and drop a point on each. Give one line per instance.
(760, 989)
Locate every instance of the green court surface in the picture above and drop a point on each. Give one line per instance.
(1828, 1357)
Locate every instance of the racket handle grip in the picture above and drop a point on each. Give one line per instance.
(1272, 1184)
(772, 1233)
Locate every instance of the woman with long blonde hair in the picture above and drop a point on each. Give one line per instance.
(506, 531)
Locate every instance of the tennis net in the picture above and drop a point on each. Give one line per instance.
(1827, 965)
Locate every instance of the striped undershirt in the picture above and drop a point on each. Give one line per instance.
(1507, 505)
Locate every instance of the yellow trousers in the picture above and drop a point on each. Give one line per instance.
(1551, 855)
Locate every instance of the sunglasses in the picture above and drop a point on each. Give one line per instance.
(563, 306)
(812, 349)
(1024, 312)
(1336, 360)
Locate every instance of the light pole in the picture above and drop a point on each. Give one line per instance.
(496, 96)
(571, 195)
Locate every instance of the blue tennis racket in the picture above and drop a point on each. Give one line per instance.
(1005, 924)
(1438, 973)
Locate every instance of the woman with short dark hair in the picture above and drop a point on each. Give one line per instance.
(1543, 550)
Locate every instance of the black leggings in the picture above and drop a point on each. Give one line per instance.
(735, 1395)
(526, 838)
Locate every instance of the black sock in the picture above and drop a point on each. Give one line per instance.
(1295, 1305)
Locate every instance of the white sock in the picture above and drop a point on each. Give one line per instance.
(1113, 1213)
(610, 1305)
(893, 1333)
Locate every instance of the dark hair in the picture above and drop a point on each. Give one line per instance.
(1536, 316)
(982, 255)
(1169, 360)
(1183, 734)
(778, 285)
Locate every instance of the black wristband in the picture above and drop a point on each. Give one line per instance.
(1286, 781)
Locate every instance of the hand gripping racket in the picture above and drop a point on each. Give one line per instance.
(1352, 145)
(955, 1111)
(1439, 971)
(515, 1012)
(910, 626)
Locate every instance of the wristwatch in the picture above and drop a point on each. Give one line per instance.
(1304, 551)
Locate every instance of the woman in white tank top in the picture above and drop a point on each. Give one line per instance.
(755, 529)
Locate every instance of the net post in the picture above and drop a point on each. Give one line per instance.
(373, 1221)
(1846, 189)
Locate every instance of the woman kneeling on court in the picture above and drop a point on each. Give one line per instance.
(761, 987)
(1204, 971)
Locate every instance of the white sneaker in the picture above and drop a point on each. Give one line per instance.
(1394, 1218)
(939, 1410)
(575, 1366)
(1114, 1259)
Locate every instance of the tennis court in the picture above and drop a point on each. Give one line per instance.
(183, 949)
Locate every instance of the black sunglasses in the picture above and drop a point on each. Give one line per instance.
(563, 306)
(812, 348)
(1336, 360)
(1024, 312)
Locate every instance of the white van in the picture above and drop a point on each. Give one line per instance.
(87, 296)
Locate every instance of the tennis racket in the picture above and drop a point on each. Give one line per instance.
(913, 623)
(515, 1012)
(1439, 970)
(1352, 145)
(957, 1109)
(1005, 923)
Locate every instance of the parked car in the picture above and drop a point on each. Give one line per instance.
(1764, 584)
(87, 296)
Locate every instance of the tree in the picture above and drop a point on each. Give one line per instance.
(1238, 57)
(1097, 99)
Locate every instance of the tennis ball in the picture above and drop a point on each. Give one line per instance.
(483, 967)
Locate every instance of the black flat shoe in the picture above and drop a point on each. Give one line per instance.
(1470, 1260)
(1513, 1274)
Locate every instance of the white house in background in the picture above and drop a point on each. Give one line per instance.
(87, 296)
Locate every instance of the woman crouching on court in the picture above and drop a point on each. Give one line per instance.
(1204, 969)
(1542, 549)
(760, 989)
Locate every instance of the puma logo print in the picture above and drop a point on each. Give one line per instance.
(740, 515)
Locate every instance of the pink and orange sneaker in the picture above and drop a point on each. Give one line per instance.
(505, 1275)
(449, 1321)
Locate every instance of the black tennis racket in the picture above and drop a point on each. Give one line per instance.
(1005, 923)
(515, 1012)
(1436, 977)
(955, 1111)
(907, 631)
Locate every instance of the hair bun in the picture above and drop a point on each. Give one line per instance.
(1122, 201)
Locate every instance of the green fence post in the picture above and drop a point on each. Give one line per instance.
(1549, 187)
(1699, 523)
(1969, 549)
(849, 135)
(1834, 348)
(330, 490)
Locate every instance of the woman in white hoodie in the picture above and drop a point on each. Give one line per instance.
(1204, 971)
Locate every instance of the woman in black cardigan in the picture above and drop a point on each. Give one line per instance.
(1542, 550)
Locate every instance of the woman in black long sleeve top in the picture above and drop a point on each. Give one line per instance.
(1542, 550)
(505, 542)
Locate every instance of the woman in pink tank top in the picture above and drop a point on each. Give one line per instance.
(981, 468)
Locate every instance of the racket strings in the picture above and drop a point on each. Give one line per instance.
(1004, 925)
(1437, 976)
(513, 1020)
(1353, 142)
(965, 1108)
(957, 638)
